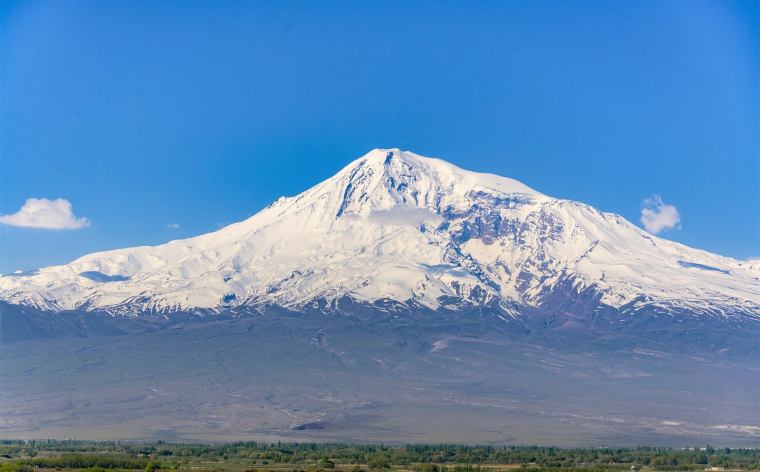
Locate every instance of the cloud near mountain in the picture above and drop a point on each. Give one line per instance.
(658, 216)
(47, 214)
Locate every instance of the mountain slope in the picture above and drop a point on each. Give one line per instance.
(394, 226)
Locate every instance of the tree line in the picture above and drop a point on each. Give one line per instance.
(451, 457)
(79, 461)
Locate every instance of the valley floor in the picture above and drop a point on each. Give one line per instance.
(280, 378)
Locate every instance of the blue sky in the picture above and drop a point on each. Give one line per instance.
(199, 114)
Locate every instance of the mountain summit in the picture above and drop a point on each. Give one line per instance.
(405, 232)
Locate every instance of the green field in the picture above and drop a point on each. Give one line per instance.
(20, 456)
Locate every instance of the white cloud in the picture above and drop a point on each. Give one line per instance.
(400, 215)
(172, 225)
(44, 213)
(657, 216)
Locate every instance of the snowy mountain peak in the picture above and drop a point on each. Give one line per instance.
(390, 176)
(395, 226)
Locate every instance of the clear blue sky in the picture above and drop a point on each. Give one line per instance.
(200, 114)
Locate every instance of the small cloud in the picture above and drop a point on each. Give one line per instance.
(657, 216)
(172, 225)
(44, 213)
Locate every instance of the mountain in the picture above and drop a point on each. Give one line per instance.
(402, 300)
(400, 229)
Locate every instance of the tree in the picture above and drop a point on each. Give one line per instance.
(325, 463)
(379, 463)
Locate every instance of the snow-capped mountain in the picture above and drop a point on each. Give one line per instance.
(393, 225)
